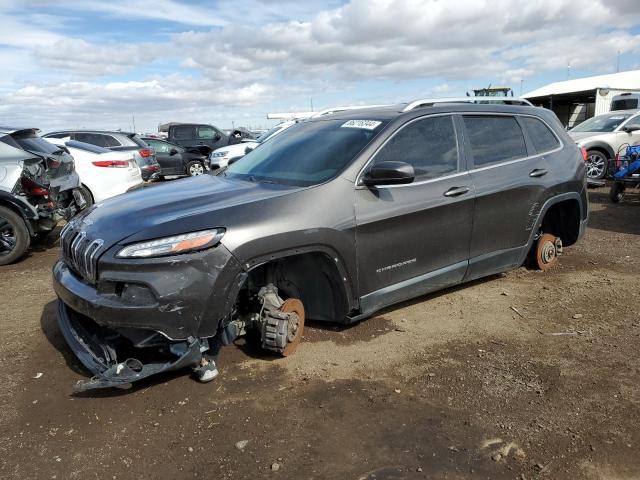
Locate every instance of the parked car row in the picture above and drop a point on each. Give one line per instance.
(604, 136)
(39, 187)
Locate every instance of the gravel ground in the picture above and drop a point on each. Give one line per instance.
(517, 376)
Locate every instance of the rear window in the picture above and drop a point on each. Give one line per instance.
(625, 104)
(542, 137)
(33, 143)
(138, 141)
(494, 139)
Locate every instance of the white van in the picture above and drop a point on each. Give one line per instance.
(625, 101)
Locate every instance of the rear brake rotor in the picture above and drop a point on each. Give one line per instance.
(548, 249)
(295, 328)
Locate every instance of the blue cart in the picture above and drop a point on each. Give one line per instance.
(625, 173)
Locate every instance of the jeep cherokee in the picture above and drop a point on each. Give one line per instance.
(332, 220)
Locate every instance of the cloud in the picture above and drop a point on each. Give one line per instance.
(93, 105)
(233, 54)
(405, 39)
(79, 56)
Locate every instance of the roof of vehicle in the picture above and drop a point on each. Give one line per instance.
(75, 130)
(387, 113)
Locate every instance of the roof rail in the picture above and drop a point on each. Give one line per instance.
(428, 102)
(329, 111)
(285, 116)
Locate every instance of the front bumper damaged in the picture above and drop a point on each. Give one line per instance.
(105, 352)
(145, 317)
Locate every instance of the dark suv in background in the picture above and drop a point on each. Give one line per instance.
(176, 160)
(203, 138)
(333, 220)
(117, 141)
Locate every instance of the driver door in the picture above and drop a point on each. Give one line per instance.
(413, 239)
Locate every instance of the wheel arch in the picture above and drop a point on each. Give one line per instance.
(566, 202)
(602, 147)
(315, 274)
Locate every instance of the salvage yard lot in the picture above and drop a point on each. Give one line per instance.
(524, 375)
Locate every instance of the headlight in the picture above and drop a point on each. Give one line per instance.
(187, 242)
(219, 154)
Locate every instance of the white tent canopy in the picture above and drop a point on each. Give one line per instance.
(619, 81)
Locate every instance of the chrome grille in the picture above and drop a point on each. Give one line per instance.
(80, 253)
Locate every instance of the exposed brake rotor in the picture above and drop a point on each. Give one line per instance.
(548, 249)
(281, 322)
(295, 324)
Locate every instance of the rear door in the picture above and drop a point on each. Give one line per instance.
(412, 239)
(169, 163)
(510, 178)
(184, 135)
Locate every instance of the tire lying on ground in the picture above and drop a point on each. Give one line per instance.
(14, 236)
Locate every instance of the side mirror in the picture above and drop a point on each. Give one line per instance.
(173, 151)
(389, 173)
(216, 137)
(247, 150)
(631, 128)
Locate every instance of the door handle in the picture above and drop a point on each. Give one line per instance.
(456, 191)
(538, 172)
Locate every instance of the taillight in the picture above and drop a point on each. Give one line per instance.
(112, 163)
(32, 188)
(584, 153)
(146, 152)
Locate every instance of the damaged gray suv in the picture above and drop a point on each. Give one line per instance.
(331, 221)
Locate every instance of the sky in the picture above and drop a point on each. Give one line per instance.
(117, 64)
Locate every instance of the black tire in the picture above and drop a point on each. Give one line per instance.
(86, 194)
(194, 169)
(616, 192)
(597, 163)
(14, 236)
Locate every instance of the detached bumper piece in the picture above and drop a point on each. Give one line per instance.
(119, 357)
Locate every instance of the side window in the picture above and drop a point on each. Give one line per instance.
(183, 132)
(109, 141)
(58, 135)
(206, 133)
(159, 147)
(92, 138)
(543, 139)
(494, 139)
(428, 144)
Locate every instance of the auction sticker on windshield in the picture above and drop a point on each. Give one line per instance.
(366, 124)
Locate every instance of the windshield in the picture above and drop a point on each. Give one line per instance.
(308, 153)
(602, 123)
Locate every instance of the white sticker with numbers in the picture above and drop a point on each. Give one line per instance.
(366, 124)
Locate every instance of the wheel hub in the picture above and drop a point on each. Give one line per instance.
(548, 249)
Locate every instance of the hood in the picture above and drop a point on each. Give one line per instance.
(180, 206)
(582, 136)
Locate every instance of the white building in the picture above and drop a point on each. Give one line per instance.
(576, 100)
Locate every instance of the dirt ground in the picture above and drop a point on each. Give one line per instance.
(518, 376)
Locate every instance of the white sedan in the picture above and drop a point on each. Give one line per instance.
(103, 172)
